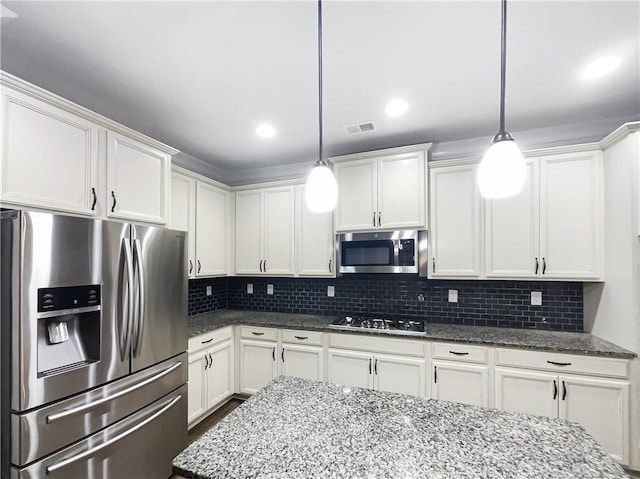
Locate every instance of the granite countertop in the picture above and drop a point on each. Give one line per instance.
(296, 428)
(558, 341)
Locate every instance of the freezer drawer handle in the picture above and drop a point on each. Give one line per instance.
(56, 416)
(90, 452)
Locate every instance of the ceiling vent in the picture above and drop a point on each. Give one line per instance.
(360, 128)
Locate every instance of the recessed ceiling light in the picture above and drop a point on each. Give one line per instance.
(601, 67)
(397, 107)
(265, 131)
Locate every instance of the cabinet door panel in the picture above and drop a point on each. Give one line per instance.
(197, 386)
(512, 232)
(315, 243)
(357, 201)
(212, 242)
(258, 364)
(302, 361)
(400, 375)
(249, 215)
(462, 383)
(138, 176)
(183, 202)
(571, 215)
(350, 368)
(278, 231)
(220, 374)
(455, 222)
(601, 406)
(527, 392)
(401, 191)
(49, 156)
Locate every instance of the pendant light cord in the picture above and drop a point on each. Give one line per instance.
(320, 148)
(503, 67)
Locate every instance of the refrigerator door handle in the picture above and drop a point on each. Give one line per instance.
(56, 416)
(137, 261)
(90, 452)
(127, 305)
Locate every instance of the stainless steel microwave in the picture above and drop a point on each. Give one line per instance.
(402, 251)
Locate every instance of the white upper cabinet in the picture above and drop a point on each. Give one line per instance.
(315, 242)
(49, 156)
(512, 232)
(204, 211)
(137, 180)
(265, 231)
(455, 223)
(571, 215)
(384, 189)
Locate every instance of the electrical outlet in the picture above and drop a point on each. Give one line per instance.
(269, 289)
(453, 295)
(209, 291)
(249, 288)
(331, 291)
(420, 298)
(536, 298)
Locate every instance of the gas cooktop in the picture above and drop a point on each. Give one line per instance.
(379, 322)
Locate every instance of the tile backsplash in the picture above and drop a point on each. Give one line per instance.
(483, 302)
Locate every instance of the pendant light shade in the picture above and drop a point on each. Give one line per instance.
(502, 171)
(321, 190)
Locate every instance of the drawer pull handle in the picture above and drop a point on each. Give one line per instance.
(301, 338)
(207, 341)
(559, 364)
(257, 334)
(457, 353)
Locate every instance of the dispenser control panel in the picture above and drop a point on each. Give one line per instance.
(54, 299)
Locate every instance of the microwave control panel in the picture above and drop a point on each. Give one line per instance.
(406, 252)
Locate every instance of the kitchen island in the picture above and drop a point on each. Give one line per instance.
(296, 428)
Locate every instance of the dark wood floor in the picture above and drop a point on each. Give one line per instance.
(211, 421)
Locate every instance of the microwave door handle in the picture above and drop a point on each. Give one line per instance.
(139, 263)
(127, 300)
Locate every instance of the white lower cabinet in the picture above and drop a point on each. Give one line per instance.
(597, 404)
(351, 368)
(211, 372)
(459, 382)
(305, 362)
(258, 364)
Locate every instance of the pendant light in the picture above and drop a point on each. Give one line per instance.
(321, 190)
(502, 171)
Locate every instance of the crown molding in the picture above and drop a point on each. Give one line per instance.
(619, 134)
(398, 150)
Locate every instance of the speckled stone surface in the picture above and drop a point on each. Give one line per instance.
(558, 341)
(295, 428)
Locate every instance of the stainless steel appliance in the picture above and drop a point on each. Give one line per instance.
(402, 251)
(93, 343)
(377, 322)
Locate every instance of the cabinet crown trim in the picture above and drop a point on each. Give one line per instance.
(423, 147)
(8, 80)
(619, 134)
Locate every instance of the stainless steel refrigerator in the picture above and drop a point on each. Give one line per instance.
(93, 337)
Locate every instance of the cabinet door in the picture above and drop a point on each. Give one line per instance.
(315, 243)
(138, 180)
(183, 215)
(402, 196)
(49, 156)
(512, 232)
(571, 218)
(462, 383)
(258, 364)
(279, 235)
(197, 404)
(399, 374)
(302, 361)
(220, 374)
(357, 206)
(527, 392)
(249, 216)
(455, 222)
(350, 368)
(212, 244)
(601, 406)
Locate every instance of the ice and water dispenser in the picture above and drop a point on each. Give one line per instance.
(69, 320)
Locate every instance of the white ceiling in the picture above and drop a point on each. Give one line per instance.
(200, 76)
